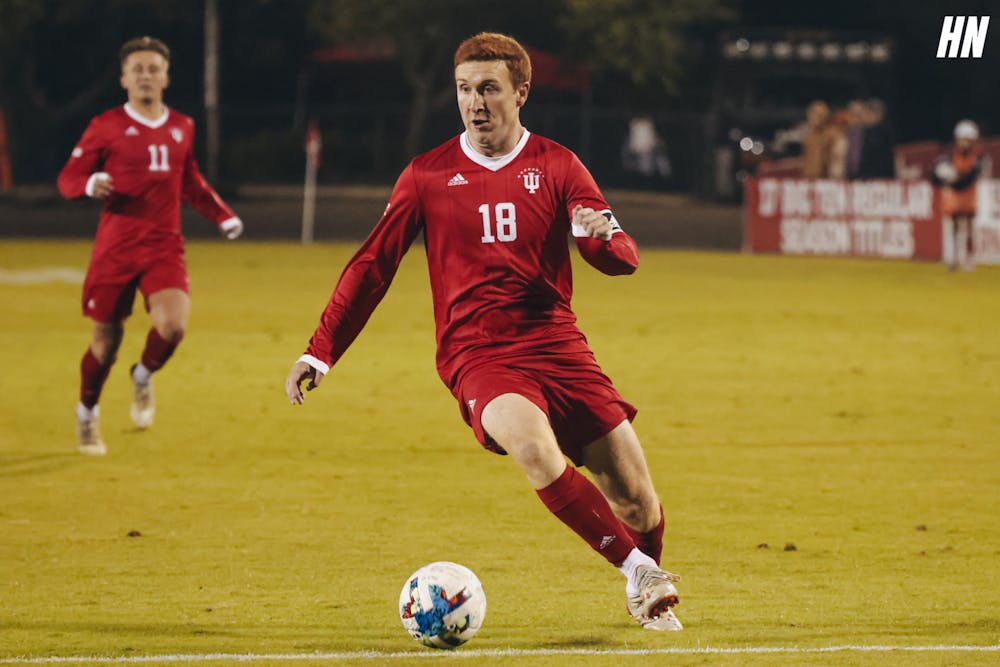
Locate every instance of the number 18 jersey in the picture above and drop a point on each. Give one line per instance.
(495, 232)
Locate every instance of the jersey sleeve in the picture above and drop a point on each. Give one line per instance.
(618, 255)
(87, 157)
(198, 194)
(368, 274)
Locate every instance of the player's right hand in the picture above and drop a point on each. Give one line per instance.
(104, 185)
(300, 372)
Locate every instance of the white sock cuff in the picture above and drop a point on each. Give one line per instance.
(634, 559)
(141, 374)
(84, 414)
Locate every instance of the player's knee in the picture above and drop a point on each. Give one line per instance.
(540, 459)
(171, 332)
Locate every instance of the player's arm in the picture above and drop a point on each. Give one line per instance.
(360, 288)
(598, 236)
(82, 175)
(602, 242)
(199, 195)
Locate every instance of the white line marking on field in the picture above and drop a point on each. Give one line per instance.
(55, 274)
(491, 653)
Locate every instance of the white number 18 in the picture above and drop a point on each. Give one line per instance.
(506, 219)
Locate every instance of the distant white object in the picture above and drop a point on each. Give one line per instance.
(946, 172)
(966, 129)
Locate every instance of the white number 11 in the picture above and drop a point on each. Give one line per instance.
(161, 153)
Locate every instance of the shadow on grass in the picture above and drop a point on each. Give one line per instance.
(589, 641)
(25, 465)
(127, 631)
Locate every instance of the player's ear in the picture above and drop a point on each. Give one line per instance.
(522, 93)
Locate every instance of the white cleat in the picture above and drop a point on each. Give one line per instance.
(88, 437)
(651, 608)
(143, 404)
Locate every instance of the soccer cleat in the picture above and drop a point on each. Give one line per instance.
(657, 594)
(143, 405)
(88, 437)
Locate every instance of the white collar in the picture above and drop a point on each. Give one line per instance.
(496, 162)
(139, 118)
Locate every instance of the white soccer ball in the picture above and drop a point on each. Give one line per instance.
(442, 605)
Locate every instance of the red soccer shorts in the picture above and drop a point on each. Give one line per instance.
(109, 289)
(578, 398)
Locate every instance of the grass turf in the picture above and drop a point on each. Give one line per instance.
(848, 408)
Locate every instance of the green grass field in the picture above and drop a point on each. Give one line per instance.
(848, 408)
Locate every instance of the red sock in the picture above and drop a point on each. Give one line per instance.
(579, 505)
(92, 376)
(158, 350)
(650, 542)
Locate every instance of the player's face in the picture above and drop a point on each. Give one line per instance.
(144, 76)
(490, 105)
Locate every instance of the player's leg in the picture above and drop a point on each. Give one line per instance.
(107, 301)
(961, 241)
(169, 310)
(968, 259)
(94, 369)
(523, 430)
(951, 242)
(617, 462)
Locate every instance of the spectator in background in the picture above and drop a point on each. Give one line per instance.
(817, 141)
(855, 132)
(956, 172)
(838, 145)
(877, 159)
(644, 151)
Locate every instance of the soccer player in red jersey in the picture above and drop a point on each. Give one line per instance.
(139, 159)
(496, 206)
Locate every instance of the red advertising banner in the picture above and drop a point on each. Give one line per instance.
(892, 219)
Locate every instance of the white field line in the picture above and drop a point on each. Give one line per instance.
(53, 274)
(492, 653)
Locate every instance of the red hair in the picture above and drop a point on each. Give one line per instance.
(488, 46)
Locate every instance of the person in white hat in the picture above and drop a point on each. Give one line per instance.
(956, 172)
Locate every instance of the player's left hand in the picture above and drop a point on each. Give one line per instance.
(231, 228)
(592, 222)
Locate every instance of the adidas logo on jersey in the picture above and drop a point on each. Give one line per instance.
(131, 131)
(458, 179)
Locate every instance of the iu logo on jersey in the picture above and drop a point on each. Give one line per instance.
(177, 134)
(532, 178)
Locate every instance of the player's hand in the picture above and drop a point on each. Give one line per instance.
(592, 222)
(231, 228)
(104, 185)
(300, 372)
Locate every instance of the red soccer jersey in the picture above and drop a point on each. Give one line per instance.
(153, 168)
(495, 231)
